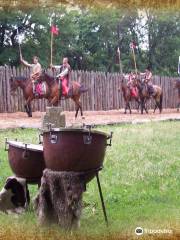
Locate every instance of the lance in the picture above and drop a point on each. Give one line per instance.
(20, 52)
(54, 31)
(51, 50)
(120, 64)
(132, 46)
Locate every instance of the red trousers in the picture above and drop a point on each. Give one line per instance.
(134, 92)
(65, 87)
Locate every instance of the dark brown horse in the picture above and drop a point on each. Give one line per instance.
(52, 91)
(145, 96)
(128, 96)
(177, 85)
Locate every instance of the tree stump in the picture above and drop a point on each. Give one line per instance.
(53, 116)
(60, 199)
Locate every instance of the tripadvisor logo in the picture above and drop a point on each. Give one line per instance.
(139, 231)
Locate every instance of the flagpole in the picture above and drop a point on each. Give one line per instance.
(120, 65)
(19, 43)
(51, 47)
(134, 57)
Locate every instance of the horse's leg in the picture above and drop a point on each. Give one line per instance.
(178, 107)
(30, 109)
(142, 105)
(54, 101)
(139, 103)
(28, 105)
(155, 107)
(26, 109)
(80, 105)
(77, 110)
(125, 108)
(145, 107)
(129, 107)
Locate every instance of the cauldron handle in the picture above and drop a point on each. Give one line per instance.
(109, 137)
(6, 145)
(49, 126)
(40, 140)
(25, 154)
(88, 138)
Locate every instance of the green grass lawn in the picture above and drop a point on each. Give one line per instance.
(140, 183)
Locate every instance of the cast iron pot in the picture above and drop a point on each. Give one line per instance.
(26, 160)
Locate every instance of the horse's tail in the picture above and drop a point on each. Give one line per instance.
(82, 89)
(160, 102)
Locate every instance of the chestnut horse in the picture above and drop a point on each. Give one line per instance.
(177, 85)
(52, 91)
(128, 96)
(144, 95)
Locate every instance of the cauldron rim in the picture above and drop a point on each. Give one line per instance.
(28, 146)
(80, 130)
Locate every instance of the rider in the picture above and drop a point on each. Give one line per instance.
(35, 70)
(148, 80)
(131, 84)
(63, 76)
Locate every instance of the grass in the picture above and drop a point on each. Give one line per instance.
(140, 183)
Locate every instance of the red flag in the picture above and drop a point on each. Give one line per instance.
(132, 45)
(54, 30)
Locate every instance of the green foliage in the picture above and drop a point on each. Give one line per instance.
(90, 37)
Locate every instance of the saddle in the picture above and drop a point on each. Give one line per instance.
(40, 89)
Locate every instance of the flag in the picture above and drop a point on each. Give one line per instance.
(132, 45)
(54, 30)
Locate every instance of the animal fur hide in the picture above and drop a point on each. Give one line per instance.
(60, 199)
(14, 196)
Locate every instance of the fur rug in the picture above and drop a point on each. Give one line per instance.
(60, 199)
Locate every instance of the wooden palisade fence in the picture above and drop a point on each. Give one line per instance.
(102, 92)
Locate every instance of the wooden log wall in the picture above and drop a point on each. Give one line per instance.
(102, 92)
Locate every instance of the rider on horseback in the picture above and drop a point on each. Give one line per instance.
(35, 70)
(148, 80)
(63, 76)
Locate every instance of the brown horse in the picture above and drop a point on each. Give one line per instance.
(52, 91)
(145, 96)
(128, 96)
(177, 85)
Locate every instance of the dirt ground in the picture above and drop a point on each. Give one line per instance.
(19, 119)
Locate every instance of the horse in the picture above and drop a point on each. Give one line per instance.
(52, 91)
(145, 95)
(128, 96)
(177, 85)
(76, 89)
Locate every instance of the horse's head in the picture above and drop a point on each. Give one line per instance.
(47, 77)
(176, 84)
(16, 82)
(13, 84)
